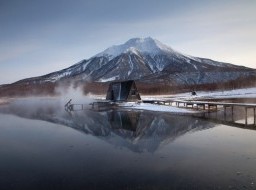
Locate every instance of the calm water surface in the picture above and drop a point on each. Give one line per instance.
(44, 147)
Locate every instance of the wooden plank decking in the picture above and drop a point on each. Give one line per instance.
(205, 106)
(208, 106)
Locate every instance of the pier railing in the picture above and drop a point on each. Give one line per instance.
(204, 106)
(208, 106)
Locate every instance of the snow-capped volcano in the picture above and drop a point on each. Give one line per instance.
(142, 45)
(147, 59)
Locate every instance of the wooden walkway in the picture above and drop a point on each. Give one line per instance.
(99, 106)
(208, 106)
(204, 106)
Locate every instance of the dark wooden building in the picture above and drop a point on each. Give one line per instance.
(123, 91)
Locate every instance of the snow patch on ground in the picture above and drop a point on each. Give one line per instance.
(237, 93)
(153, 107)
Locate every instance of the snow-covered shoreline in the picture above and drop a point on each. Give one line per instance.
(237, 93)
(157, 108)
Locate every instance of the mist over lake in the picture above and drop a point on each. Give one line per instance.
(44, 147)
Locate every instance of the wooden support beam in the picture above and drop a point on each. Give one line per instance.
(254, 116)
(225, 114)
(246, 122)
(232, 112)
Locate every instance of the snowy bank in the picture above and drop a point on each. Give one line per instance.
(236, 93)
(158, 108)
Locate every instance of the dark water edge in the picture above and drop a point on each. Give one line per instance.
(44, 147)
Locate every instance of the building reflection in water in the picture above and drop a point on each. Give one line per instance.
(136, 130)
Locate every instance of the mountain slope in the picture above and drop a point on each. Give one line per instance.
(146, 60)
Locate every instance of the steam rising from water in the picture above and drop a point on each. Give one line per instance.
(72, 92)
(31, 106)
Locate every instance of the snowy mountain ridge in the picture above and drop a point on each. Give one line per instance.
(146, 59)
(144, 45)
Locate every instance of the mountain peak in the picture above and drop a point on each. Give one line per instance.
(149, 61)
(144, 45)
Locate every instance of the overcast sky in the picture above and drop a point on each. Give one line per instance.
(42, 36)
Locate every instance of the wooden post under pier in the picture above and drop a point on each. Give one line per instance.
(254, 116)
(246, 122)
(212, 105)
(232, 112)
(225, 111)
(209, 106)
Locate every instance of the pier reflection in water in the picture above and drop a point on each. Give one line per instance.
(44, 147)
(236, 117)
(139, 130)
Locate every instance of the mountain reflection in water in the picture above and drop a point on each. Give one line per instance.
(137, 130)
(44, 147)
